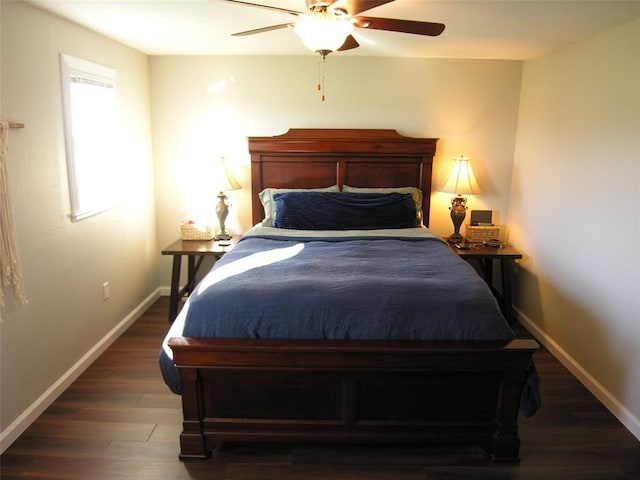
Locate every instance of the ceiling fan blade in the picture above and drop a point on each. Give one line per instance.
(403, 26)
(267, 7)
(354, 7)
(349, 44)
(262, 30)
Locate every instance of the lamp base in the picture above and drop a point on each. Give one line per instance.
(223, 236)
(458, 212)
(455, 238)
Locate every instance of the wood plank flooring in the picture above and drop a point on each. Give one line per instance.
(119, 421)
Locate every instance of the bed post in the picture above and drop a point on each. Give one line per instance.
(505, 445)
(192, 441)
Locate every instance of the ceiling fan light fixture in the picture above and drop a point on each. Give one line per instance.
(323, 32)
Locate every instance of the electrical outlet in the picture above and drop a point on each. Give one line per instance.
(105, 291)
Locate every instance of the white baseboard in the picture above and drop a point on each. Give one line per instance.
(611, 403)
(18, 426)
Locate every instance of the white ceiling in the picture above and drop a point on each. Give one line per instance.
(490, 29)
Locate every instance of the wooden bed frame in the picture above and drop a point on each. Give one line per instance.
(348, 391)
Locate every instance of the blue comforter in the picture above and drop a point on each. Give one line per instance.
(403, 284)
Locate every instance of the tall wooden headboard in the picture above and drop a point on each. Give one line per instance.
(316, 158)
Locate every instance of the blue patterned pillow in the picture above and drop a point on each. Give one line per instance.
(344, 211)
(268, 204)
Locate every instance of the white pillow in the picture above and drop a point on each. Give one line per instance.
(415, 192)
(266, 198)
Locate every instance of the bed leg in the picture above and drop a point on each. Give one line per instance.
(192, 440)
(506, 442)
(193, 445)
(506, 447)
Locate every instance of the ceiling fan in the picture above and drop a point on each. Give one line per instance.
(328, 25)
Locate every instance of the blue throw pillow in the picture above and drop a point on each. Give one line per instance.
(344, 211)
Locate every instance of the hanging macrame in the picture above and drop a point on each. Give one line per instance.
(10, 273)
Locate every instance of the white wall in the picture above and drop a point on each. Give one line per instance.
(64, 264)
(574, 211)
(470, 105)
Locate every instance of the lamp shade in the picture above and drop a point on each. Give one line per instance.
(461, 179)
(323, 32)
(225, 180)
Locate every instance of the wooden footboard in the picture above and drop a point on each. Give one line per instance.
(351, 391)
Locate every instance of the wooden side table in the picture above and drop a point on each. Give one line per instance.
(195, 251)
(485, 256)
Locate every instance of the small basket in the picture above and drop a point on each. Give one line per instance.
(476, 234)
(192, 231)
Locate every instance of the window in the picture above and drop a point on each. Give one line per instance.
(90, 121)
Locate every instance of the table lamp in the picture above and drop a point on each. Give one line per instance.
(461, 181)
(225, 182)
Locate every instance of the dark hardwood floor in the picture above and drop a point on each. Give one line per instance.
(119, 421)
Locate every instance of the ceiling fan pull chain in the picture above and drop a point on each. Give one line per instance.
(320, 86)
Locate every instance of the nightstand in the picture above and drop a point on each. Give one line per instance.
(195, 251)
(485, 256)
